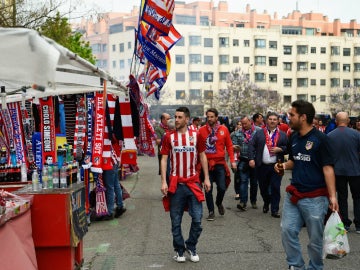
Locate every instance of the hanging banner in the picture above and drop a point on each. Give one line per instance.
(16, 119)
(158, 14)
(99, 129)
(47, 117)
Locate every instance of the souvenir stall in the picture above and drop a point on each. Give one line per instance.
(55, 136)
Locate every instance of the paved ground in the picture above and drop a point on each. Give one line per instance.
(141, 238)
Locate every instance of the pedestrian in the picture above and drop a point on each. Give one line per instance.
(357, 124)
(184, 191)
(237, 127)
(258, 120)
(345, 144)
(312, 189)
(217, 138)
(244, 172)
(267, 147)
(160, 131)
(195, 123)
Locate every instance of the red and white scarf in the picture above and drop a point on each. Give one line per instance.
(271, 141)
(48, 137)
(99, 127)
(80, 128)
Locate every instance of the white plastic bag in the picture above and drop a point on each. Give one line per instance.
(336, 243)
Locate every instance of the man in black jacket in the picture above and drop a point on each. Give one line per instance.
(266, 147)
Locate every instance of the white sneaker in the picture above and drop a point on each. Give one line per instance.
(178, 258)
(193, 256)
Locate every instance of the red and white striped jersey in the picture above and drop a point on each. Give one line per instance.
(183, 150)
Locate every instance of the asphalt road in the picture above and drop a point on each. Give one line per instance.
(141, 238)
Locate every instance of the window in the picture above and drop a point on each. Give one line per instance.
(323, 50)
(334, 82)
(208, 94)
(287, 82)
(236, 59)
(322, 66)
(208, 59)
(195, 40)
(114, 64)
(313, 82)
(246, 43)
(195, 58)
(195, 76)
(335, 66)
(180, 94)
(181, 42)
(204, 20)
(223, 42)
(240, 25)
(223, 59)
(287, 50)
(313, 66)
(195, 93)
(272, 78)
(121, 47)
(272, 44)
(180, 76)
(346, 52)
(322, 98)
(236, 43)
(122, 64)
(208, 77)
(313, 98)
(273, 61)
(260, 43)
(313, 50)
(129, 61)
(302, 82)
(291, 31)
(322, 82)
(346, 67)
(180, 59)
(356, 66)
(356, 51)
(357, 82)
(302, 66)
(335, 50)
(346, 83)
(104, 48)
(113, 47)
(260, 60)
(302, 97)
(246, 60)
(185, 19)
(302, 49)
(259, 77)
(223, 76)
(287, 66)
(208, 42)
(287, 99)
(129, 44)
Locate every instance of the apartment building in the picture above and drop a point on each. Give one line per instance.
(301, 56)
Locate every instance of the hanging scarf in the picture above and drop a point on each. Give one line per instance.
(212, 138)
(99, 128)
(101, 207)
(80, 128)
(47, 117)
(28, 132)
(19, 145)
(8, 130)
(271, 141)
(88, 156)
(248, 133)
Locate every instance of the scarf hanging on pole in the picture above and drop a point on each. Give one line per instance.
(101, 207)
(80, 128)
(19, 145)
(128, 153)
(48, 130)
(99, 127)
(28, 132)
(90, 106)
(8, 130)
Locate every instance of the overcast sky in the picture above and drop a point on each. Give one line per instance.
(345, 10)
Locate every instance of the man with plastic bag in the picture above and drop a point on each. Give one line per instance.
(312, 189)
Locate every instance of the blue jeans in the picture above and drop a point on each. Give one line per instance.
(112, 185)
(310, 211)
(184, 197)
(246, 174)
(216, 175)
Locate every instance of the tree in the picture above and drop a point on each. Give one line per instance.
(59, 29)
(244, 97)
(346, 99)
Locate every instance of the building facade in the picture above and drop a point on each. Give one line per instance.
(301, 56)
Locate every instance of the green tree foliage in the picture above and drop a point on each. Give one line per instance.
(58, 29)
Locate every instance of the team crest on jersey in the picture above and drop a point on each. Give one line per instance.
(191, 138)
(309, 145)
(221, 132)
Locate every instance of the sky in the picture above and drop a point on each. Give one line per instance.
(345, 10)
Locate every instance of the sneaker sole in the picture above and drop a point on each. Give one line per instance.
(194, 261)
(179, 261)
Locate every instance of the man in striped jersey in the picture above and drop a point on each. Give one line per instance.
(184, 189)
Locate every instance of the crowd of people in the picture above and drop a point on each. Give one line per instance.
(194, 157)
